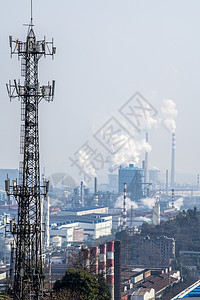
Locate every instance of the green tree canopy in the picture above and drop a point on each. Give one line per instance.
(80, 282)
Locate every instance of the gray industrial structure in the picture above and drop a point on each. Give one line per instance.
(133, 177)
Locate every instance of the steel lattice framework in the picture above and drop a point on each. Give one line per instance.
(27, 273)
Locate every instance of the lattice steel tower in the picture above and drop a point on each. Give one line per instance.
(27, 271)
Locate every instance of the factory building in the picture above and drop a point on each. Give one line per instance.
(143, 294)
(93, 225)
(66, 233)
(84, 211)
(133, 177)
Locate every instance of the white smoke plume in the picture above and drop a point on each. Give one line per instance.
(178, 203)
(130, 152)
(120, 203)
(84, 161)
(149, 122)
(169, 114)
(144, 219)
(148, 202)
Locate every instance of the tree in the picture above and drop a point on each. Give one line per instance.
(78, 281)
(104, 293)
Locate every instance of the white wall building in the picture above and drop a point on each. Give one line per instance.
(61, 234)
(143, 294)
(97, 228)
(94, 226)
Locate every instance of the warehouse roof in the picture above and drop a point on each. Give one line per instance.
(193, 291)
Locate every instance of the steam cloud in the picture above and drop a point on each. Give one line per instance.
(144, 219)
(169, 114)
(130, 152)
(148, 202)
(120, 202)
(178, 203)
(84, 162)
(149, 122)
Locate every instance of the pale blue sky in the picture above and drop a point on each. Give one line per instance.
(106, 51)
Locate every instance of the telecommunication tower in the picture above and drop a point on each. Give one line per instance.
(27, 273)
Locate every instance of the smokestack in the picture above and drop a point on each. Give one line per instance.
(131, 225)
(146, 170)
(173, 161)
(94, 260)
(124, 208)
(166, 182)
(197, 182)
(117, 270)
(95, 185)
(95, 197)
(102, 261)
(143, 165)
(110, 267)
(172, 198)
(87, 267)
(82, 194)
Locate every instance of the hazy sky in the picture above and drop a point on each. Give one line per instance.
(106, 51)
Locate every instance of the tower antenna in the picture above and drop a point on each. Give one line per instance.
(27, 274)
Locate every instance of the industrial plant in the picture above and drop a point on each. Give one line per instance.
(133, 227)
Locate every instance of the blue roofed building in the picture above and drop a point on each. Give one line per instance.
(192, 292)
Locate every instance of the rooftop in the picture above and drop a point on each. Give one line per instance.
(83, 208)
(193, 291)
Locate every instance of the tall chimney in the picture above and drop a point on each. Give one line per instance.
(173, 161)
(197, 182)
(95, 185)
(87, 263)
(82, 194)
(166, 182)
(94, 260)
(110, 267)
(143, 164)
(146, 170)
(173, 198)
(124, 208)
(117, 270)
(102, 261)
(95, 197)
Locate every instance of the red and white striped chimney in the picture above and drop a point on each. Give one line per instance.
(94, 260)
(110, 267)
(102, 262)
(173, 198)
(124, 208)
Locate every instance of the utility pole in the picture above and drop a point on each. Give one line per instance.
(27, 230)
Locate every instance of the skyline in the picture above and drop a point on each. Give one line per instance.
(105, 53)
